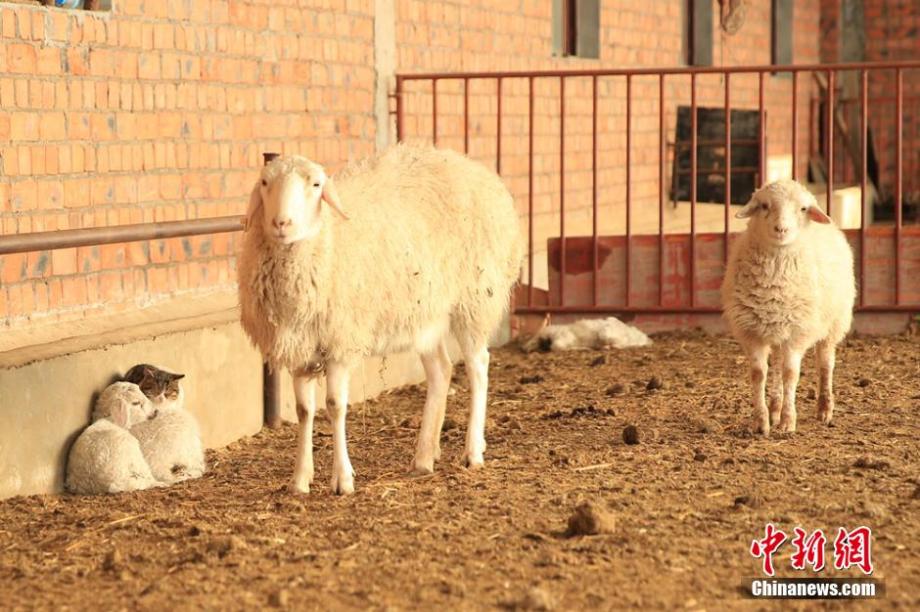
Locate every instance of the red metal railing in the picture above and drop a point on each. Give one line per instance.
(667, 76)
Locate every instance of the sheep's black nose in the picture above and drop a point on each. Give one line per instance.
(280, 222)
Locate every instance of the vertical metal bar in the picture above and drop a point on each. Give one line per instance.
(693, 177)
(399, 108)
(795, 125)
(562, 191)
(898, 180)
(661, 161)
(628, 186)
(728, 163)
(466, 115)
(864, 126)
(762, 136)
(434, 111)
(594, 258)
(271, 379)
(811, 128)
(530, 198)
(829, 134)
(498, 129)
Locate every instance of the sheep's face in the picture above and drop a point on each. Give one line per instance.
(288, 199)
(780, 210)
(124, 404)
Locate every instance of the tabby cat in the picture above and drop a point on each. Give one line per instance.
(160, 386)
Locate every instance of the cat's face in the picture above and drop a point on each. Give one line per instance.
(157, 384)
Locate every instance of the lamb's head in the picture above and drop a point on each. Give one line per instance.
(124, 404)
(287, 200)
(780, 210)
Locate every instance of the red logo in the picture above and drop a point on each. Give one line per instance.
(808, 550)
(765, 548)
(854, 548)
(850, 548)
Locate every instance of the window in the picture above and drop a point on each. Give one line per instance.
(88, 5)
(781, 32)
(698, 32)
(576, 28)
(711, 155)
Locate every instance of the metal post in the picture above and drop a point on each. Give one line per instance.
(271, 379)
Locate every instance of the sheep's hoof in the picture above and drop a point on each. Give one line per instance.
(775, 411)
(296, 488)
(422, 468)
(825, 410)
(761, 427)
(473, 461)
(344, 483)
(786, 426)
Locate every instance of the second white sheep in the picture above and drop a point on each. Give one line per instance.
(789, 285)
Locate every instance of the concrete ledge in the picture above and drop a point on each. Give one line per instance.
(36, 342)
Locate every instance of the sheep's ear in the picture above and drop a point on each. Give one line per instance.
(817, 215)
(749, 209)
(120, 415)
(255, 206)
(331, 196)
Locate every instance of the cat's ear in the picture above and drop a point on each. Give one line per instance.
(174, 376)
(136, 374)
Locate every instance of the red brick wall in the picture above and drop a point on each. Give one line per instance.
(159, 111)
(476, 36)
(892, 32)
(878, 283)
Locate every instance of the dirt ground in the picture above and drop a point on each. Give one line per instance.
(687, 499)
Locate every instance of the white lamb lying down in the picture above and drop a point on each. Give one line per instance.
(587, 334)
(106, 458)
(171, 440)
(171, 443)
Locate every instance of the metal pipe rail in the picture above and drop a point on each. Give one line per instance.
(94, 236)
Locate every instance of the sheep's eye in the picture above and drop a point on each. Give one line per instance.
(764, 206)
(804, 209)
(136, 403)
(264, 183)
(316, 184)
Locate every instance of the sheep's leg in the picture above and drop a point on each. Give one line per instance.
(476, 356)
(757, 354)
(437, 377)
(448, 372)
(776, 389)
(343, 475)
(792, 366)
(305, 393)
(826, 352)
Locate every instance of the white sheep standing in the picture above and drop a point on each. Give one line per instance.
(418, 243)
(587, 334)
(171, 439)
(106, 458)
(789, 285)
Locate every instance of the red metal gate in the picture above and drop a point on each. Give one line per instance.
(678, 272)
